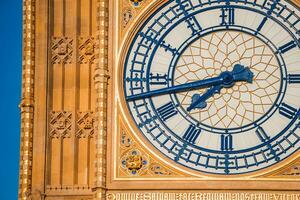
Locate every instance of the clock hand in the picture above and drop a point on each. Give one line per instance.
(227, 78)
(178, 88)
(200, 101)
(239, 73)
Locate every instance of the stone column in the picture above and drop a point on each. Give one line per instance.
(101, 80)
(27, 103)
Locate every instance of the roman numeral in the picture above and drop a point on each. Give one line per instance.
(167, 111)
(192, 22)
(290, 45)
(287, 110)
(158, 79)
(191, 134)
(226, 142)
(261, 24)
(293, 78)
(163, 44)
(136, 79)
(272, 7)
(227, 16)
(261, 134)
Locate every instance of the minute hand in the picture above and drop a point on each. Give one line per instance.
(179, 88)
(227, 78)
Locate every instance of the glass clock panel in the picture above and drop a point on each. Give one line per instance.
(214, 85)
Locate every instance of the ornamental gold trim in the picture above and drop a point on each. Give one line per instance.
(101, 83)
(203, 195)
(27, 103)
(290, 171)
(133, 161)
(262, 175)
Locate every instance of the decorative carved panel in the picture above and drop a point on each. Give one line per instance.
(290, 171)
(87, 50)
(134, 161)
(62, 50)
(60, 124)
(85, 123)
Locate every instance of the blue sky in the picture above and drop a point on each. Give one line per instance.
(10, 85)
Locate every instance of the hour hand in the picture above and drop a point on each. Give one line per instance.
(200, 101)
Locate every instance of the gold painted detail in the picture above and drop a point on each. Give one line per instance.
(85, 123)
(136, 3)
(135, 162)
(62, 50)
(202, 195)
(60, 124)
(127, 15)
(292, 170)
(130, 10)
(87, 53)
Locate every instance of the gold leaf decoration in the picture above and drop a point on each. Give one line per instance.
(291, 170)
(134, 161)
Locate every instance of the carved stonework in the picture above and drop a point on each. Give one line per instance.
(136, 3)
(127, 15)
(130, 10)
(135, 162)
(85, 124)
(35, 195)
(62, 50)
(87, 53)
(27, 105)
(292, 170)
(157, 170)
(60, 124)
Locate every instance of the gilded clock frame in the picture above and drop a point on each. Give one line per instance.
(261, 179)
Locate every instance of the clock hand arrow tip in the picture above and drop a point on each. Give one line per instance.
(242, 73)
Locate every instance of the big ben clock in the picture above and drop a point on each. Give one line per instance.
(160, 100)
(214, 86)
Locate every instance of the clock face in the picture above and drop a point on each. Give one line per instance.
(215, 85)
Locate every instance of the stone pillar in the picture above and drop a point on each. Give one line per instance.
(101, 80)
(27, 103)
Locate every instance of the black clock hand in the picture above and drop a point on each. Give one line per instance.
(200, 101)
(239, 73)
(227, 79)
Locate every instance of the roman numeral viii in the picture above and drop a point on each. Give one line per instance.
(167, 111)
(191, 134)
(287, 110)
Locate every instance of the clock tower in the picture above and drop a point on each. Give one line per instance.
(160, 99)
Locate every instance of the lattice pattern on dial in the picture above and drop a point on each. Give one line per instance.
(243, 103)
